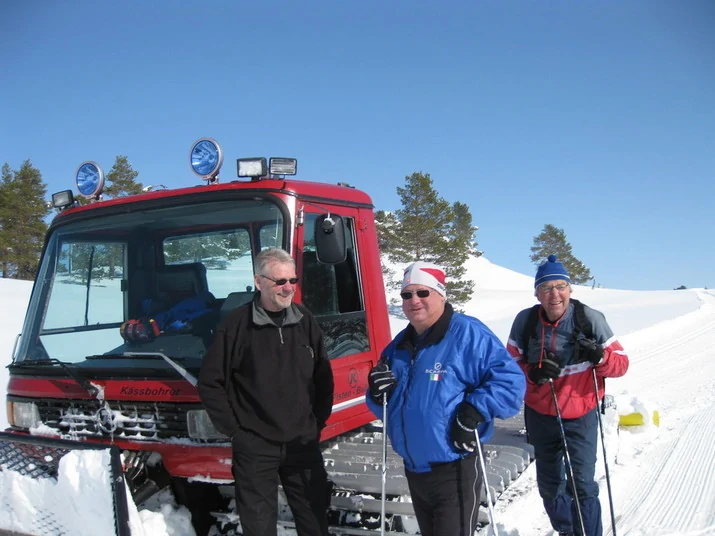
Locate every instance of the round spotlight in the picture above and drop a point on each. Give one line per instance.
(206, 158)
(90, 179)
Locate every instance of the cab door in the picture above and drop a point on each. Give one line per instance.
(334, 294)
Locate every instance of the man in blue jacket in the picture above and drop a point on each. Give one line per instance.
(444, 376)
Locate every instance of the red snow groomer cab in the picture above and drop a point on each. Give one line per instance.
(130, 291)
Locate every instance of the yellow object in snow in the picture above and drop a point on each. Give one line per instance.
(637, 419)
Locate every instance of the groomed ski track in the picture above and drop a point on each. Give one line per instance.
(663, 479)
(672, 487)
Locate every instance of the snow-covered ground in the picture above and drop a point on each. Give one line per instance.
(663, 478)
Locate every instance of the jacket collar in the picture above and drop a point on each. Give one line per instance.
(261, 317)
(434, 334)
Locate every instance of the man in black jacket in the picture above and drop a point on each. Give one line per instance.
(266, 382)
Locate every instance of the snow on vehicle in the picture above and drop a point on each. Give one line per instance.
(113, 338)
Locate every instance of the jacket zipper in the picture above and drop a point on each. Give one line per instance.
(408, 387)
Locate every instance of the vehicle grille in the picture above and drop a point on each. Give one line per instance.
(144, 421)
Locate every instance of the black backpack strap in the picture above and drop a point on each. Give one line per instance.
(531, 321)
(582, 323)
(583, 326)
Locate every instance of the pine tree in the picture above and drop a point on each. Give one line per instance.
(552, 240)
(22, 226)
(122, 179)
(387, 225)
(463, 230)
(462, 246)
(424, 222)
(5, 214)
(428, 228)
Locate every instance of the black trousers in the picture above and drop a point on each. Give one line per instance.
(259, 464)
(446, 499)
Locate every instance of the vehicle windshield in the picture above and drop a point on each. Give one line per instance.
(151, 280)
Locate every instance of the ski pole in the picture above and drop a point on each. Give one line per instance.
(384, 463)
(569, 467)
(483, 466)
(605, 459)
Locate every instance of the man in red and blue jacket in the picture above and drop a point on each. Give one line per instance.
(560, 354)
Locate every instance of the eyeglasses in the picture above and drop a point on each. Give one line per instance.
(546, 289)
(281, 282)
(423, 293)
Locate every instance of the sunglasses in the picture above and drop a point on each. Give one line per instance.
(281, 282)
(407, 295)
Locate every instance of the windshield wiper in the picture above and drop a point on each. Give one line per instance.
(89, 283)
(67, 367)
(146, 355)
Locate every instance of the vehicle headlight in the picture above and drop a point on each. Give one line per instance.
(23, 414)
(200, 426)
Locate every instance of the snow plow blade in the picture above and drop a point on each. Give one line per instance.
(56, 472)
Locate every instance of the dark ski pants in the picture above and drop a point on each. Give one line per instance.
(258, 465)
(551, 476)
(446, 499)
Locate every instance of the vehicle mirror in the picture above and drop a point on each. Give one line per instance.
(330, 245)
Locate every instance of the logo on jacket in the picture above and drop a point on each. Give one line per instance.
(437, 373)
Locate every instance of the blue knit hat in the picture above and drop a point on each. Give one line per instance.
(551, 270)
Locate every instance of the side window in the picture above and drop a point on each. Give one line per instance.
(334, 295)
(225, 254)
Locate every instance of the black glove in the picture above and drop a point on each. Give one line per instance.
(589, 350)
(548, 369)
(381, 381)
(464, 426)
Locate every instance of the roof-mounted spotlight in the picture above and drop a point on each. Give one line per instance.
(255, 168)
(206, 158)
(283, 166)
(90, 180)
(62, 200)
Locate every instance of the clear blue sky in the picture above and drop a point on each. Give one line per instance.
(597, 117)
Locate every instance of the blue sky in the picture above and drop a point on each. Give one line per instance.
(596, 117)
